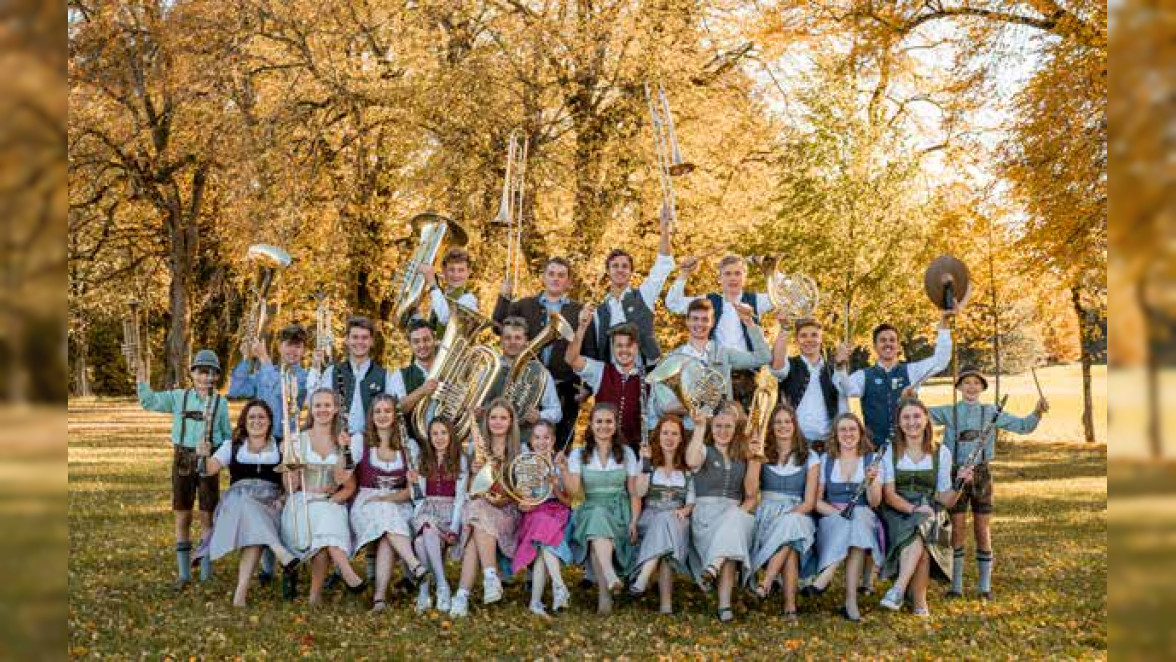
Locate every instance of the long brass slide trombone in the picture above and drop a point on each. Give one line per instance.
(670, 163)
(510, 207)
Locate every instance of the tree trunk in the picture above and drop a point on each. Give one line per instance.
(178, 341)
(1152, 321)
(1086, 336)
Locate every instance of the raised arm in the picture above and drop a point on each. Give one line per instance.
(677, 301)
(572, 355)
(920, 370)
(696, 449)
(780, 365)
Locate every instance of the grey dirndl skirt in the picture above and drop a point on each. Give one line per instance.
(663, 534)
(719, 528)
(247, 516)
(777, 528)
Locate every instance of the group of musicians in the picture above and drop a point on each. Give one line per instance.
(649, 488)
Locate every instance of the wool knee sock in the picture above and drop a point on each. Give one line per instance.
(538, 582)
(184, 560)
(205, 567)
(957, 569)
(435, 558)
(984, 563)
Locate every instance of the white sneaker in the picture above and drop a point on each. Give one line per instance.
(891, 601)
(537, 609)
(461, 605)
(491, 589)
(560, 597)
(424, 602)
(443, 599)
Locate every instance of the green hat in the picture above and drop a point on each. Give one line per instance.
(971, 371)
(206, 358)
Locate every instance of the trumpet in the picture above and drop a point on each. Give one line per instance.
(292, 462)
(132, 346)
(324, 335)
(510, 207)
(670, 163)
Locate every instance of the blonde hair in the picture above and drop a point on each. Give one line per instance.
(513, 436)
(738, 449)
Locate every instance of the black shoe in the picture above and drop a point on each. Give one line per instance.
(865, 590)
(358, 588)
(332, 580)
(986, 596)
(290, 581)
(417, 574)
(953, 595)
(587, 584)
(846, 616)
(264, 578)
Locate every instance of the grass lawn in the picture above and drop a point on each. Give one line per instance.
(1051, 580)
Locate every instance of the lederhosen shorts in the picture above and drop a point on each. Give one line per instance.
(187, 486)
(976, 494)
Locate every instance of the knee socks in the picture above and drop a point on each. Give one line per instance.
(984, 563)
(184, 560)
(957, 570)
(432, 555)
(554, 570)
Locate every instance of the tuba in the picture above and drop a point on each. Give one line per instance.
(759, 414)
(700, 388)
(528, 376)
(269, 260)
(466, 372)
(796, 295)
(437, 233)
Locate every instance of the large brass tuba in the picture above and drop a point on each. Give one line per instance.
(466, 372)
(269, 260)
(528, 377)
(697, 386)
(759, 415)
(437, 233)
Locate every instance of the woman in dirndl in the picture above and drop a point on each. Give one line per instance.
(314, 519)
(667, 499)
(443, 478)
(542, 529)
(381, 514)
(721, 525)
(850, 461)
(491, 519)
(604, 470)
(918, 491)
(784, 531)
(247, 516)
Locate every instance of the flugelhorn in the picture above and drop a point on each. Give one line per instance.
(269, 259)
(437, 233)
(670, 163)
(133, 348)
(510, 207)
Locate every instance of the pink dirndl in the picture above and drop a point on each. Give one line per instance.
(545, 525)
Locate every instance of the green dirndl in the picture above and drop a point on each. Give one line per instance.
(604, 514)
(918, 487)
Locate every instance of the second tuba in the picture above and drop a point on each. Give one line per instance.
(528, 376)
(437, 233)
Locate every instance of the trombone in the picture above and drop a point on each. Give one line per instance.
(510, 207)
(670, 163)
(133, 348)
(292, 461)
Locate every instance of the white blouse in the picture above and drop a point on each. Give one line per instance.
(942, 480)
(791, 468)
(631, 466)
(268, 455)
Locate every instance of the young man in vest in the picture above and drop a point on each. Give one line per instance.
(537, 310)
(881, 386)
(700, 318)
(622, 303)
(408, 384)
(455, 267)
(806, 381)
(618, 382)
(514, 341)
(358, 378)
(266, 384)
(961, 434)
(728, 330)
(187, 407)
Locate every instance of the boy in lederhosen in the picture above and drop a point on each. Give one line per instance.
(961, 435)
(188, 408)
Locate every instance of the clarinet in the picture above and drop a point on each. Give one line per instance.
(344, 419)
(847, 512)
(417, 494)
(978, 451)
(646, 466)
(209, 410)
